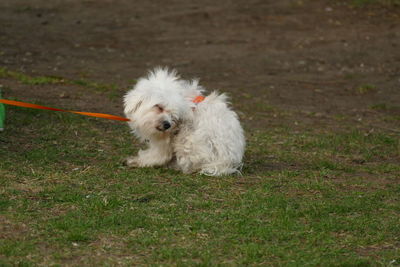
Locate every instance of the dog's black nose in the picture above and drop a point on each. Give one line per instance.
(166, 125)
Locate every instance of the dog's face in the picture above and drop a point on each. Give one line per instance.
(157, 120)
(155, 116)
(158, 104)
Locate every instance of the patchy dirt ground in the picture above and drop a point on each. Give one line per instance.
(306, 62)
(302, 74)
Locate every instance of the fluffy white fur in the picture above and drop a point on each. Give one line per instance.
(204, 137)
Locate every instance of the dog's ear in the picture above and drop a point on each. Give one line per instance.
(138, 104)
(132, 103)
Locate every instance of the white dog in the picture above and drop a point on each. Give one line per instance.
(203, 137)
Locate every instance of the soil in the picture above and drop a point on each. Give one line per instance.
(305, 63)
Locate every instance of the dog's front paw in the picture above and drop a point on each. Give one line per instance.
(131, 162)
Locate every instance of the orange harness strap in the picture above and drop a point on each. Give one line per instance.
(198, 99)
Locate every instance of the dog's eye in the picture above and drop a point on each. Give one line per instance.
(159, 108)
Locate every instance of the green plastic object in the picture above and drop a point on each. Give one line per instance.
(2, 114)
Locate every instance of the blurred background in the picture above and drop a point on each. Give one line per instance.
(315, 59)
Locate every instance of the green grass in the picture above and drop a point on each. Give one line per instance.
(366, 88)
(305, 199)
(26, 79)
(388, 3)
(42, 80)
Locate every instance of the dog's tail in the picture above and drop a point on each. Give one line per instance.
(222, 169)
(216, 97)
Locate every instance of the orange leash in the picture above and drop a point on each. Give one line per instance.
(29, 105)
(196, 100)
